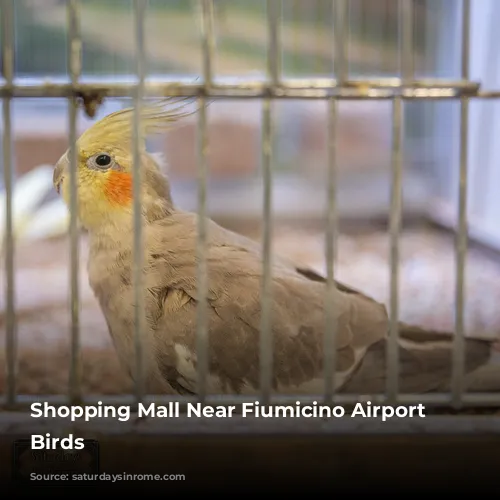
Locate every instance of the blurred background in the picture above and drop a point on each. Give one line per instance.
(235, 194)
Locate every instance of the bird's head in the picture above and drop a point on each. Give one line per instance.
(104, 164)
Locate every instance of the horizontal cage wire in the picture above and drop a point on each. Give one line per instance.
(398, 90)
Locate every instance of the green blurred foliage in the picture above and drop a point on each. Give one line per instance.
(41, 49)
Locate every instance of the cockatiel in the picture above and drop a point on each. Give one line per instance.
(234, 263)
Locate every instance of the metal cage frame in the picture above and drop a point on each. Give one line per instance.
(397, 90)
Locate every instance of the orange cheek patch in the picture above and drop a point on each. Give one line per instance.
(118, 188)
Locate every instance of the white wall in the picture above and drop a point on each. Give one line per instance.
(484, 123)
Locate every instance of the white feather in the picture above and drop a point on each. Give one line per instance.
(28, 192)
(51, 219)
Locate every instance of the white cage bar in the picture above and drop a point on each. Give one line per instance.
(341, 69)
(274, 77)
(75, 69)
(397, 89)
(208, 49)
(461, 238)
(10, 315)
(138, 275)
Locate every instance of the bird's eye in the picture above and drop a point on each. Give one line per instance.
(103, 160)
(100, 161)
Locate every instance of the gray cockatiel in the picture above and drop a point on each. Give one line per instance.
(104, 166)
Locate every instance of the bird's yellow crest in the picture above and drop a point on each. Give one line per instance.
(105, 156)
(117, 128)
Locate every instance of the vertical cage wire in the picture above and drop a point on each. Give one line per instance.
(75, 69)
(330, 352)
(341, 39)
(8, 168)
(274, 47)
(406, 69)
(462, 230)
(138, 243)
(406, 41)
(266, 340)
(394, 236)
(340, 14)
(208, 46)
(274, 76)
(202, 354)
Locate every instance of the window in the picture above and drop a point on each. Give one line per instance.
(442, 120)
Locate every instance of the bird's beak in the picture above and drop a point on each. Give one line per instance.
(59, 171)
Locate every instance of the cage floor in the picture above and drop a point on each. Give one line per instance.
(427, 296)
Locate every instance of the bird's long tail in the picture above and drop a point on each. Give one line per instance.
(425, 364)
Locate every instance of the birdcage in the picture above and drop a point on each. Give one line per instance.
(413, 101)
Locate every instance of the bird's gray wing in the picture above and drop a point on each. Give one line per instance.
(425, 358)
(234, 314)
